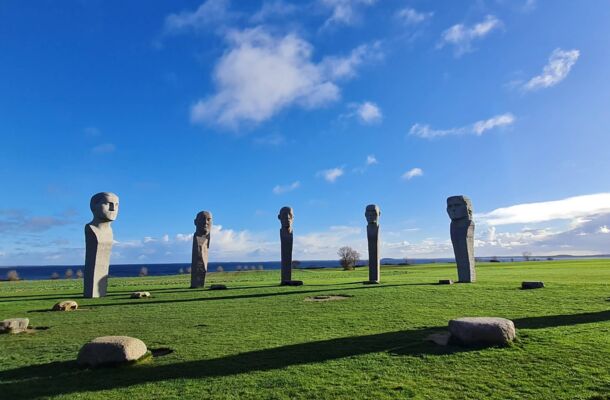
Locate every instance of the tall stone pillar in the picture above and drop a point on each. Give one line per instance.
(459, 209)
(372, 214)
(201, 246)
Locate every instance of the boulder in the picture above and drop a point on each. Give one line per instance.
(111, 350)
(218, 287)
(532, 285)
(140, 295)
(482, 331)
(66, 305)
(14, 325)
(445, 282)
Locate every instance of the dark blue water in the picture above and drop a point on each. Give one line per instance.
(131, 270)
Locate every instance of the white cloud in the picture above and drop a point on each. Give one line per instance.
(344, 12)
(461, 36)
(604, 229)
(208, 13)
(412, 173)
(273, 9)
(279, 189)
(369, 112)
(262, 74)
(344, 67)
(557, 69)
(411, 16)
(331, 175)
(477, 128)
(371, 160)
(570, 208)
(104, 148)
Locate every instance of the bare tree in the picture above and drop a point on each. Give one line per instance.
(12, 275)
(54, 275)
(527, 255)
(143, 271)
(220, 269)
(348, 257)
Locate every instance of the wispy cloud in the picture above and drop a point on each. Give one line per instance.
(104, 148)
(570, 208)
(369, 112)
(461, 36)
(371, 160)
(556, 70)
(332, 174)
(209, 13)
(279, 189)
(344, 12)
(274, 9)
(19, 221)
(261, 74)
(274, 139)
(412, 173)
(411, 16)
(477, 128)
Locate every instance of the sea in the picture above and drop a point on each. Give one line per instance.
(40, 272)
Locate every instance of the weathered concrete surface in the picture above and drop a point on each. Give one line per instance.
(98, 243)
(459, 209)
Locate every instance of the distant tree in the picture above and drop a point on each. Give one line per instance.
(220, 269)
(407, 261)
(260, 267)
(54, 275)
(527, 255)
(143, 271)
(348, 257)
(296, 264)
(494, 259)
(549, 258)
(79, 273)
(188, 270)
(238, 268)
(512, 259)
(12, 275)
(181, 271)
(69, 274)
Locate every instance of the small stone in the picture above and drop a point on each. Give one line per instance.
(532, 285)
(111, 350)
(218, 287)
(445, 282)
(14, 325)
(66, 305)
(482, 330)
(292, 283)
(140, 295)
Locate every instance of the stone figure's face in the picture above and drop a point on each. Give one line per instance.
(286, 217)
(203, 222)
(105, 207)
(372, 214)
(457, 208)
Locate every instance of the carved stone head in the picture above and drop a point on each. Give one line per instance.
(203, 223)
(286, 216)
(104, 206)
(459, 208)
(372, 214)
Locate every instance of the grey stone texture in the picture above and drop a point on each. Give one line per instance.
(98, 243)
(201, 247)
(111, 350)
(532, 285)
(66, 305)
(14, 325)
(482, 331)
(372, 214)
(286, 217)
(459, 209)
(140, 295)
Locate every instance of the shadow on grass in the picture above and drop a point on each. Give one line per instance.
(553, 321)
(59, 378)
(282, 292)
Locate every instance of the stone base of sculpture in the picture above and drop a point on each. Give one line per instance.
(98, 244)
(291, 283)
(371, 282)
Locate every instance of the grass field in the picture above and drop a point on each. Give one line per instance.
(262, 341)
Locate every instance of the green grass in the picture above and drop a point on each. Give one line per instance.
(262, 341)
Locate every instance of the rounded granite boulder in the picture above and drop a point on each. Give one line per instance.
(66, 305)
(482, 331)
(140, 295)
(110, 351)
(14, 325)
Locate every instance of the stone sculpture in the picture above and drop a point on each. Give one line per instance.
(286, 217)
(201, 246)
(372, 214)
(459, 209)
(98, 243)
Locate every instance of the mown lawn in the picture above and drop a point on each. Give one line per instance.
(262, 341)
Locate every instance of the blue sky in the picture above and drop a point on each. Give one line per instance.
(241, 107)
